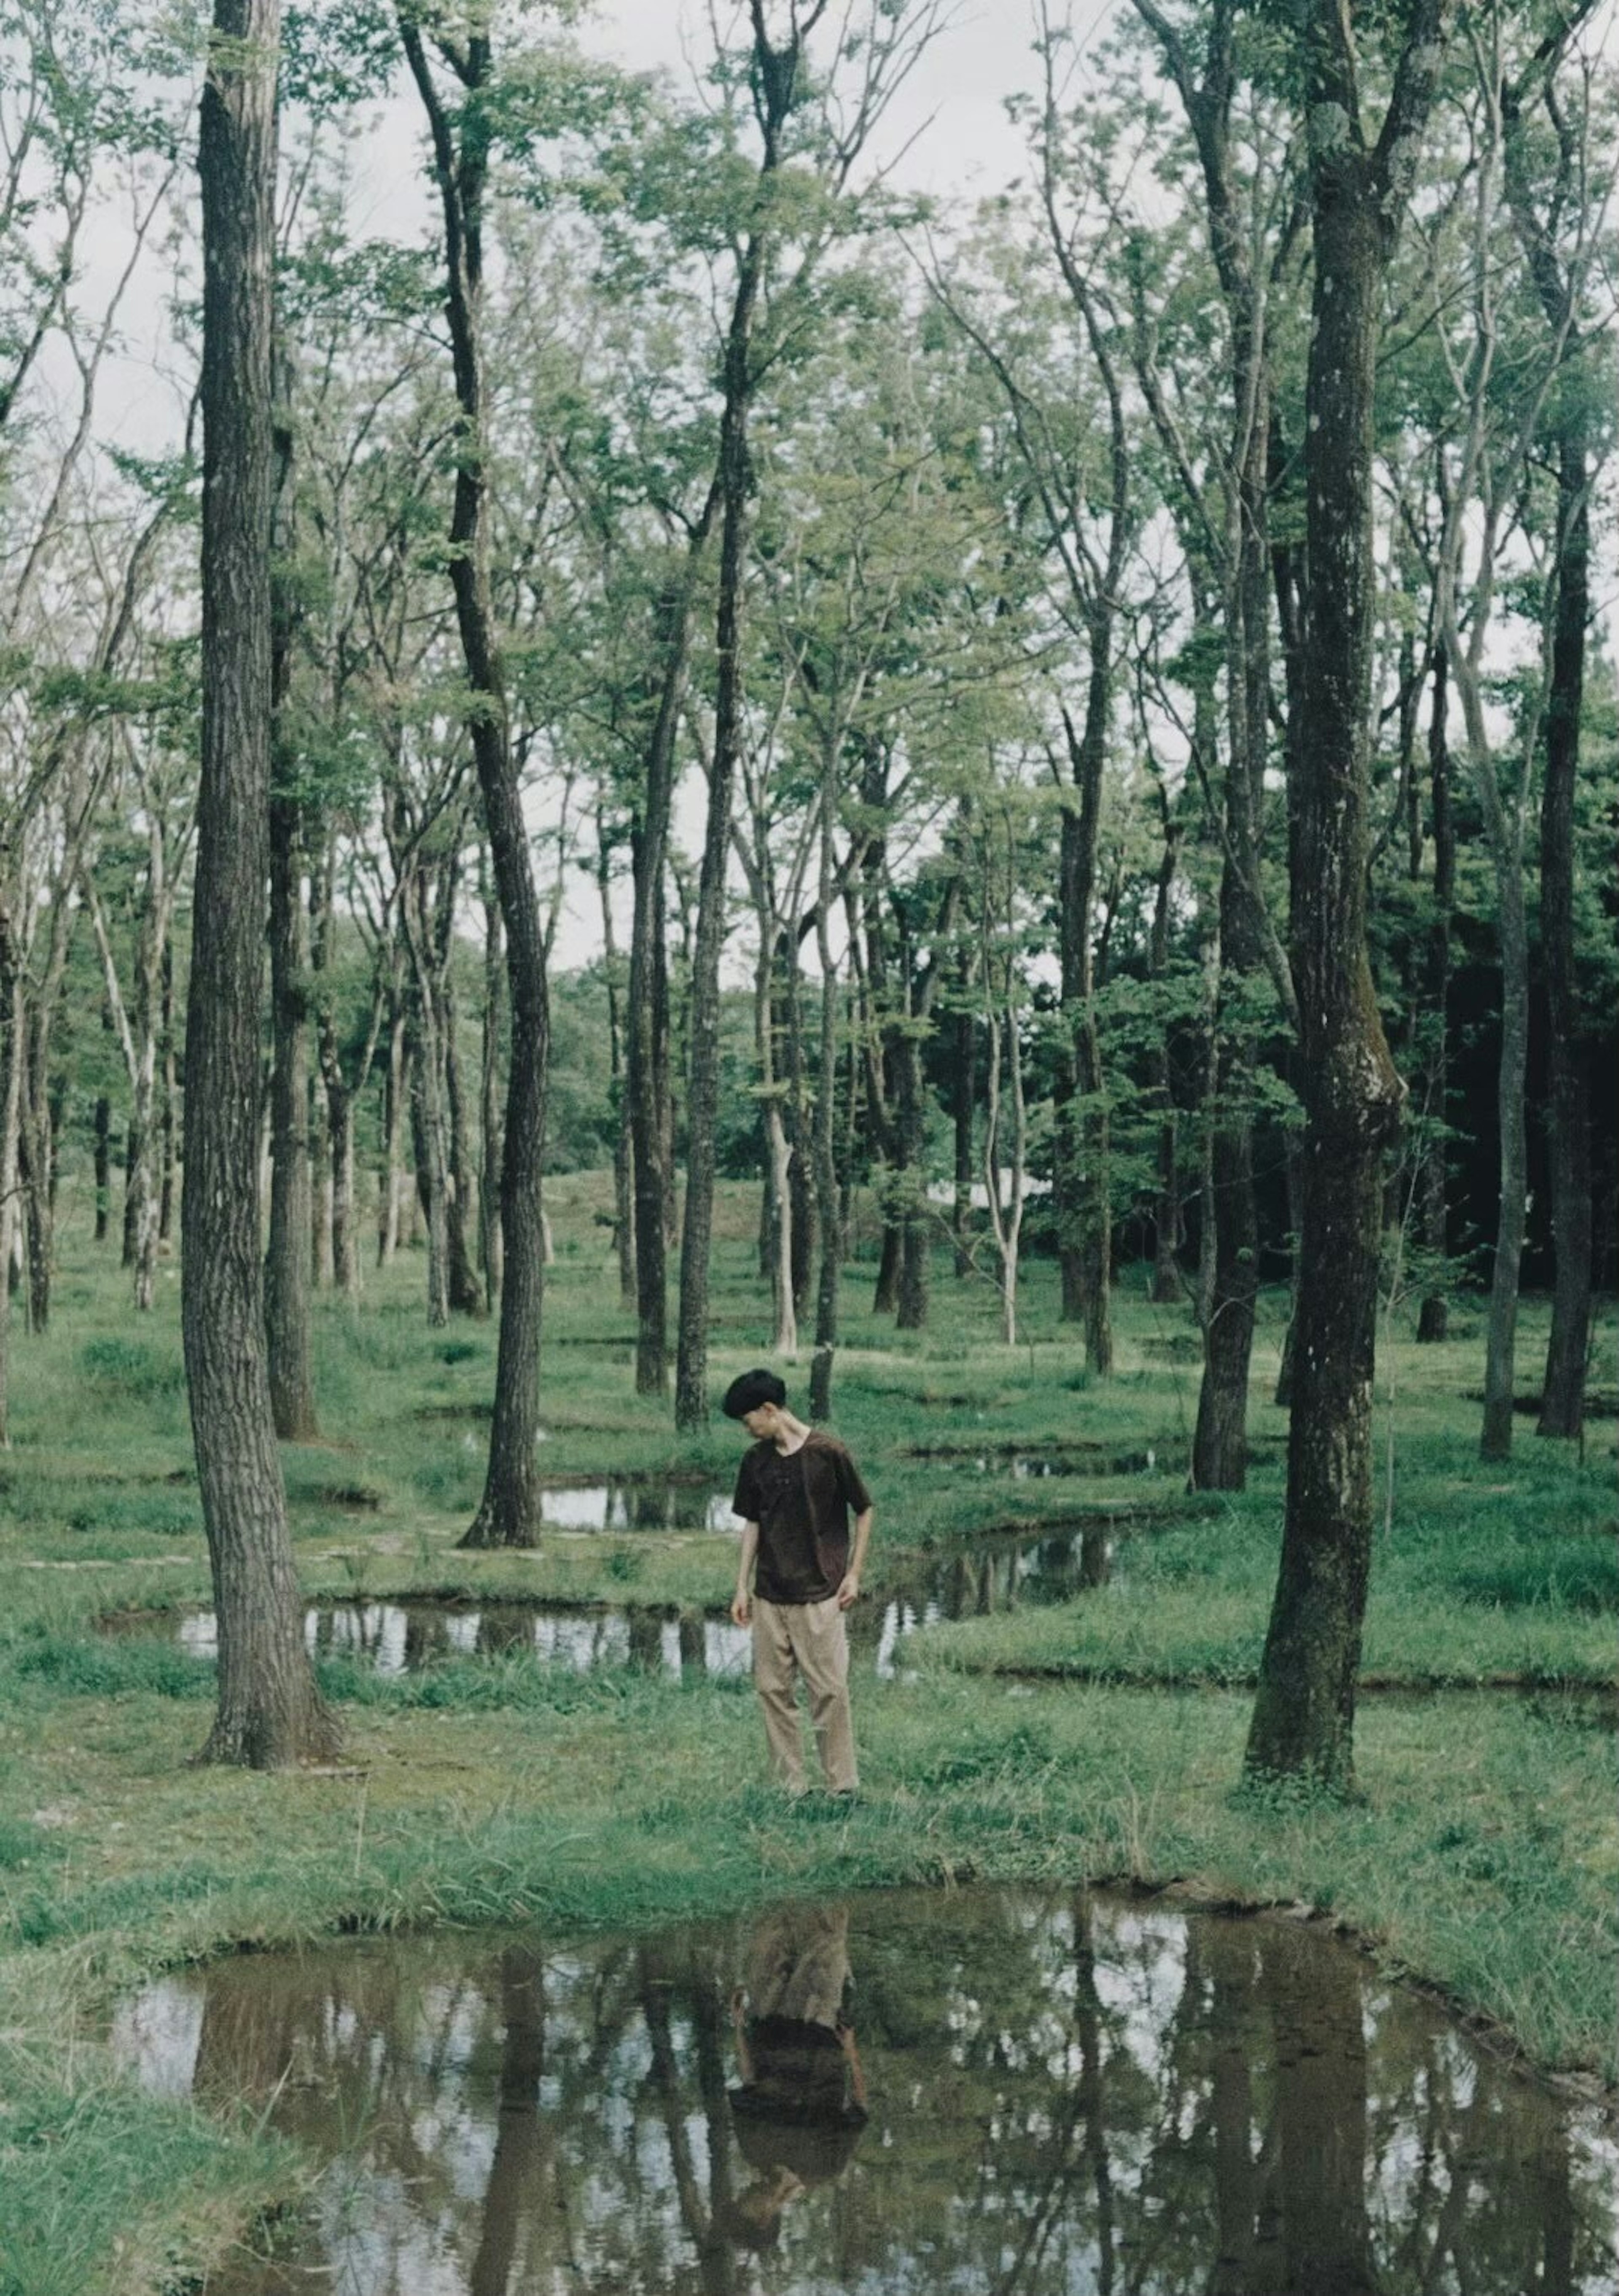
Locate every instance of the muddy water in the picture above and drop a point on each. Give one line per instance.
(991, 2094)
(398, 1638)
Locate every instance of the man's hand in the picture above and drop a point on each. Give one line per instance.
(848, 1592)
(741, 1608)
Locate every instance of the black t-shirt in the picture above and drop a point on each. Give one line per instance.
(801, 1501)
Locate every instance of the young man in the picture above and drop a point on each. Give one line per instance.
(797, 1576)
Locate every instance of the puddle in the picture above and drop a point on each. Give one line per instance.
(1037, 2093)
(638, 1503)
(1035, 1466)
(399, 1637)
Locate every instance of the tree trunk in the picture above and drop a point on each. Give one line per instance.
(800, 1185)
(775, 82)
(1167, 1286)
(489, 1104)
(37, 1152)
(1432, 1319)
(1220, 1443)
(778, 1222)
(702, 1104)
(962, 1112)
(646, 1051)
(394, 1093)
(1087, 1279)
(825, 1120)
(287, 1261)
(171, 1089)
(1568, 1106)
(911, 1290)
(1512, 926)
(1303, 1723)
(509, 1512)
(104, 1164)
(10, 1049)
(466, 1293)
(270, 1713)
(429, 1142)
(345, 1243)
(134, 1150)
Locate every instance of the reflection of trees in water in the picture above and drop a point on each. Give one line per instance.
(694, 1643)
(516, 2163)
(427, 1636)
(1061, 2095)
(646, 1641)
(503, 1629)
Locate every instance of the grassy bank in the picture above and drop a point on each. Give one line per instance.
(1483, 1856)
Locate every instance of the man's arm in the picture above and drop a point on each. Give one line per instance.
(850, 1587)
(741, 1607)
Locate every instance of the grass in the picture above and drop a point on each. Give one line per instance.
(1483, 1856)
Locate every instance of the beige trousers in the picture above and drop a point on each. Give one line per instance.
(808, 1639)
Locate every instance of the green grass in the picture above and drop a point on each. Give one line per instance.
(1483, 1856)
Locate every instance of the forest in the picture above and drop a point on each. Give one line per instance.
(646, 729)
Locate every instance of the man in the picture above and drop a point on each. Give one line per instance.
(796, 1576)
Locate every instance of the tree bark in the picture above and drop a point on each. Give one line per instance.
(1303, 1723)
(1432, 1317)
(466, 1293)
(825, 1119)
(11, 1050)
(394, 1095)
(489, 1102)
(508, 1513)
(647, 1050)
(169, 1070)
(1568, 1105)
(288, 1260)
(104, 1164)
(429, 1132)
(1085, 1206)
(270, 1713)
(962, 1114)
(1166, 1284)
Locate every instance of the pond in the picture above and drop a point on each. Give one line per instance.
(1015, 2092)
(397, 1638)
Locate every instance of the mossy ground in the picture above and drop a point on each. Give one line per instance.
(1483, 1856)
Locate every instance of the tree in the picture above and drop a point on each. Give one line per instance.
(1303, 1723)
(287, 1270)
(1552, 226)
(1237, 535)
(270, 1712)
(509, 1512)
(808, 151)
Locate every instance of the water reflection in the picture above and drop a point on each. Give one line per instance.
(401, 1637)
(799, 2105)
(637, 1503)
(1047, 2095)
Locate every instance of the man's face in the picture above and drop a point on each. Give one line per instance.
(763, 1421)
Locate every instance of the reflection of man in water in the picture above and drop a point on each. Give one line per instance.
(802, 2102)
